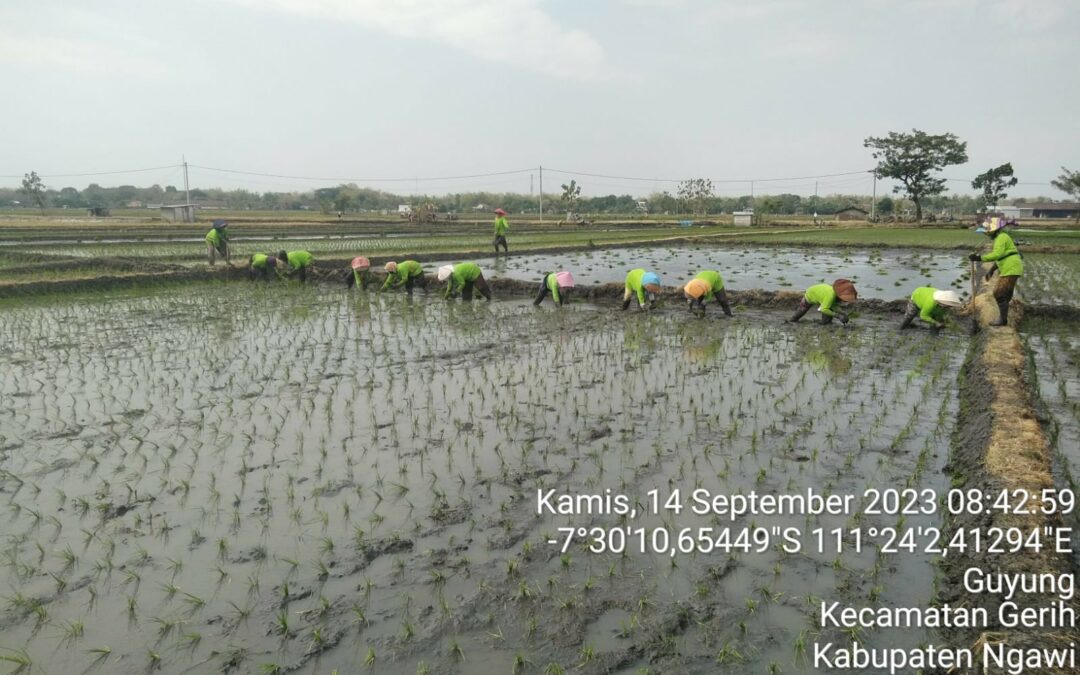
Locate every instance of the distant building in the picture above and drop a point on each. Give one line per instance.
(852, 213)
(743, 217)
(1051, 209)
(135, 204)
(178, 213)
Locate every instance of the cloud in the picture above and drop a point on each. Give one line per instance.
(81, 56)
(514, 32)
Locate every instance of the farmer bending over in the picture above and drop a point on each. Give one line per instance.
(406, 273)
(260, 264)
(826, 298)
(707, 285)
(557, 285)
(463, 276)
(296, 263)
(928, 303)
(501, 228)
(644, 285)
(359, 273)
(217, 241)
(1008, 262)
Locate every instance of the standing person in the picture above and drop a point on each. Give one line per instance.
(827, 297)
(359, 273)
(928, 303)
(463, 276)
(501, 228)
(217, 241)
(296, 263)
(1008, 262)
(408, 273)
(643, 284)
(260, 264)
(557, 285)
(707, 285)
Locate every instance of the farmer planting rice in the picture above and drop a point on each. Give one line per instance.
(707, 285)
(501, 228)
(407, 273)
(296, 263)
(929, 303)
(463, 277)
(826, 297)
(643, 284)
(260, 264)
(217, 241)
(557, 285)
(1007, 261)
(359, 273)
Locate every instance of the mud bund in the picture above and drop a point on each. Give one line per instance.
(999, 444)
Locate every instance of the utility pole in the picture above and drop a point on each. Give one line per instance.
(873, 199)
(541, 193)
(187, 192)
(531, 177)
(815, 202)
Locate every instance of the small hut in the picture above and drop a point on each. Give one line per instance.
(852, 213)
(178, 213)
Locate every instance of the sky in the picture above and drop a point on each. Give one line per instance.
(412, 95)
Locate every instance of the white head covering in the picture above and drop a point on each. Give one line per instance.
(947, 298)
(444, 272)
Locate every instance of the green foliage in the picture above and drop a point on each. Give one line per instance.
(1069, 183)
(696, 191)
(912, 160)
(34, 189)
(993, 184)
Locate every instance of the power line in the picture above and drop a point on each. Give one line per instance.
(363, 180)
(98, 173)
(714, 180)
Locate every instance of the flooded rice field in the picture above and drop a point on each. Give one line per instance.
(269, 478)
(887, 274)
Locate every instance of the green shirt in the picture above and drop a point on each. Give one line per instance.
(929, 311)
(716, 283)
(463, 273)
(259, 261)
(1006, 255)
(501, 226)
(299, 259)
(553, 286)
(633, 283)
(823, 296)
(405, 270)
(216, 237)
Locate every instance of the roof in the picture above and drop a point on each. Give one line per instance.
(853, 208)
(1044, 206)
(177, 206)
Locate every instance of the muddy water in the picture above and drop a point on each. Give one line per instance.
(886, 274)
(1054, 350)
(247, 475)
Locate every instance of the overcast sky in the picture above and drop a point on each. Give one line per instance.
(668, 89)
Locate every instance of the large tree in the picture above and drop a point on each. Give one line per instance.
(696, 191)
(34, 190)
(1069, 183)
(993, 184)
(912, 160)
(571, 193)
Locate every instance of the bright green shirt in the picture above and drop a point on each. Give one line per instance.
(823, 296)
(405, 269)
(716, 283)
(216, 237)
(463, 273)
(1006, 255)
(553, 286)
(501, 226)
(929, 311)
(299, 259)
(633, 282)
(259, 261)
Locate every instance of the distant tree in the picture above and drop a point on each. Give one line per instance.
(571, 192)
(696, 192)
(913, 158)
(34, 190)
(993, 184)
(1069, 183)
(884, 206)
